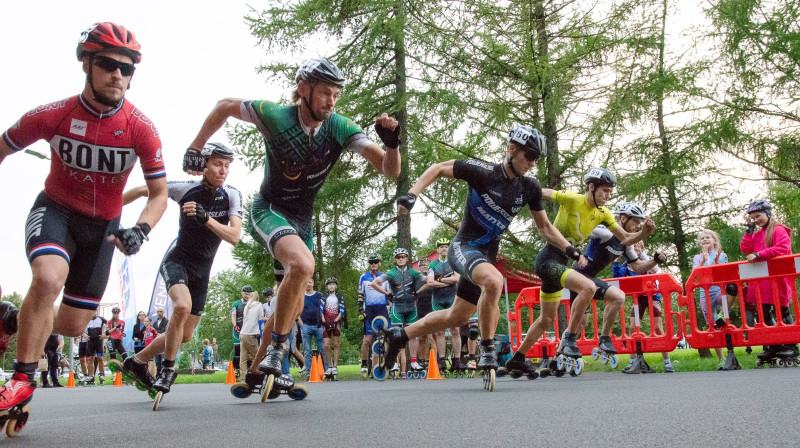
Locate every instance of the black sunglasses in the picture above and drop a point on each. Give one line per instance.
(374, 261)
(110, 65)
(531, 156)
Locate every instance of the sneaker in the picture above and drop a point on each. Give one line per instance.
(668, 368)
(335, 370)
(721, 364)
(328, 371)
(18, 390)
(395, 367)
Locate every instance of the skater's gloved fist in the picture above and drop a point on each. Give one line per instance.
(405, 203)
(129, 241)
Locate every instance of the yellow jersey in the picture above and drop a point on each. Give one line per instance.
(576, 218)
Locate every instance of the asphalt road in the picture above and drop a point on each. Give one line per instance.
(704, 409)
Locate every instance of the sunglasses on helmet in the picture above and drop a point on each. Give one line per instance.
(110, 65)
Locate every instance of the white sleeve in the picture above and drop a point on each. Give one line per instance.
(235, 201)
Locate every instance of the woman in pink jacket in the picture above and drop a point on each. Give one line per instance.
(773, 239)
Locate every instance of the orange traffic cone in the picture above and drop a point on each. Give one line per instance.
(313, 376)
(320, 368)
(231, 375)
(71, 380)
(433, 367)
(118, 379)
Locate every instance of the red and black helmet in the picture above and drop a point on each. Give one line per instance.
(110, 37)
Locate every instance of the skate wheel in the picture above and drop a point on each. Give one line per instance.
(157, 402)
(560, 363)
(114, 366)
(240, 390)
(568, 366)
(298, 392)
(544, 373)
(416, 375)
(152, 393)
(488, 379)
(141, 386)
(409, 375)
(15, 424)
(578, 369)
(595, 355)
(379, 373)
(614, 362)
(604, 358)
(779, 363)
(377, 348)
(533, 375)
(267, 388)
(423, 374)
(515, 374)
(379, 323)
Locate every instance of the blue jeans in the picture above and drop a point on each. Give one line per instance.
(307, 331)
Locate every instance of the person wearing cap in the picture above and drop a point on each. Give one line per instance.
(371, 304)
(334, 315)
(96, 139)
(211, 211)
(115, 330)
(303, 142)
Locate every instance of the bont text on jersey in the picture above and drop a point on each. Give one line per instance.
(93, 158)
(52, 106)
(136, 113)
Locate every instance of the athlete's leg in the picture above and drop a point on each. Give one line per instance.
(455, 332)
(441, 341)
(490, 280)
(326, 340)
(549, 311)
(585, 288)
(439, 320)
(615, 299)
(298, 264)
(35, 318)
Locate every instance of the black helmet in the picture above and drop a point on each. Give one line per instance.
(372, 257)
(320, 70)
(217, 150)
(267, 292)
(760, 205)
(115, 310)
(330, 280)
(529, 139)
(247, 288)
(600, 176)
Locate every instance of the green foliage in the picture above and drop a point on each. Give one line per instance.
(185, 360)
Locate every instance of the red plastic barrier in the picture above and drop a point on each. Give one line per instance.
(740, 273)
(633, 287)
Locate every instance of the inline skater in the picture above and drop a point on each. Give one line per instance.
(81, 203)
(303, 141)
(578, 214)
(211, 212)
(444, 280)
(497, 192)
(404, 284)
(115, 332)
(333, 314)
(371, 304)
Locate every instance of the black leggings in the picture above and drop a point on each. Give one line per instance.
(52, 366)
(114, 347)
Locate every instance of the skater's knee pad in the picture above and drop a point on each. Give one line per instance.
(473, 333)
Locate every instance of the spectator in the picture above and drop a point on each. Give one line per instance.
(237, 318)
(138, 328)
(268, 293)
(160, 325)
(215, 349)
(311, 325)
(115, 333)
(248, 336)
(94, 348)
(710, 254)
(82, 342)
(208, 352)
(772, 239)
(52, 349)
(149, 334)
(333, 315)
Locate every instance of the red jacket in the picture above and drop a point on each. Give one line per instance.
(781, 245)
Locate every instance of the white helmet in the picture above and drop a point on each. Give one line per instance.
(631, 209)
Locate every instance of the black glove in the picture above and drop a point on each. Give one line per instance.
(200, 214)
(407, 200)
(391, 139)
(751, 227)
(193, 160)
(572, 252)
(133, 238)
(660, 258)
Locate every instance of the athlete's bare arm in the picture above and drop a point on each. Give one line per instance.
(226, 107)
(156, 201)
(4, 150)
(386, 162)
(441, 169)
(134, 194)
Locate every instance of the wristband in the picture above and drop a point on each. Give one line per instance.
(145, 228)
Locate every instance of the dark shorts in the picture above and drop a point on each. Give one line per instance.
(424, 306)
(80, 240)
(196, 279)
(94, 347)
(82, 349)
(643, 304)
(268, 225)
(464, 259)
(601, 288)
(372, 312)
(551, 267)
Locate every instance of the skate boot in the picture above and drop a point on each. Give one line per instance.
(102, 379)
(569, 360)
(273, 362)
(364, 371)
(417, 371)
(88, 380)
(472, 364)
(457, 368)
(488, 363)
(442, 364)
(17, 391)
(518, 366)
(606, 352)
(787, 355)
(767, 357)
(8, 324)
(395, 340)
(137, 372)
(165, 380)
(284, 384)
(335, 373)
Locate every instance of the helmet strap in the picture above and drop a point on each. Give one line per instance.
(510, 162)
(308, 102)
(95, 94)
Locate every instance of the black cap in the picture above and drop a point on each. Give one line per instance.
(247, 288)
